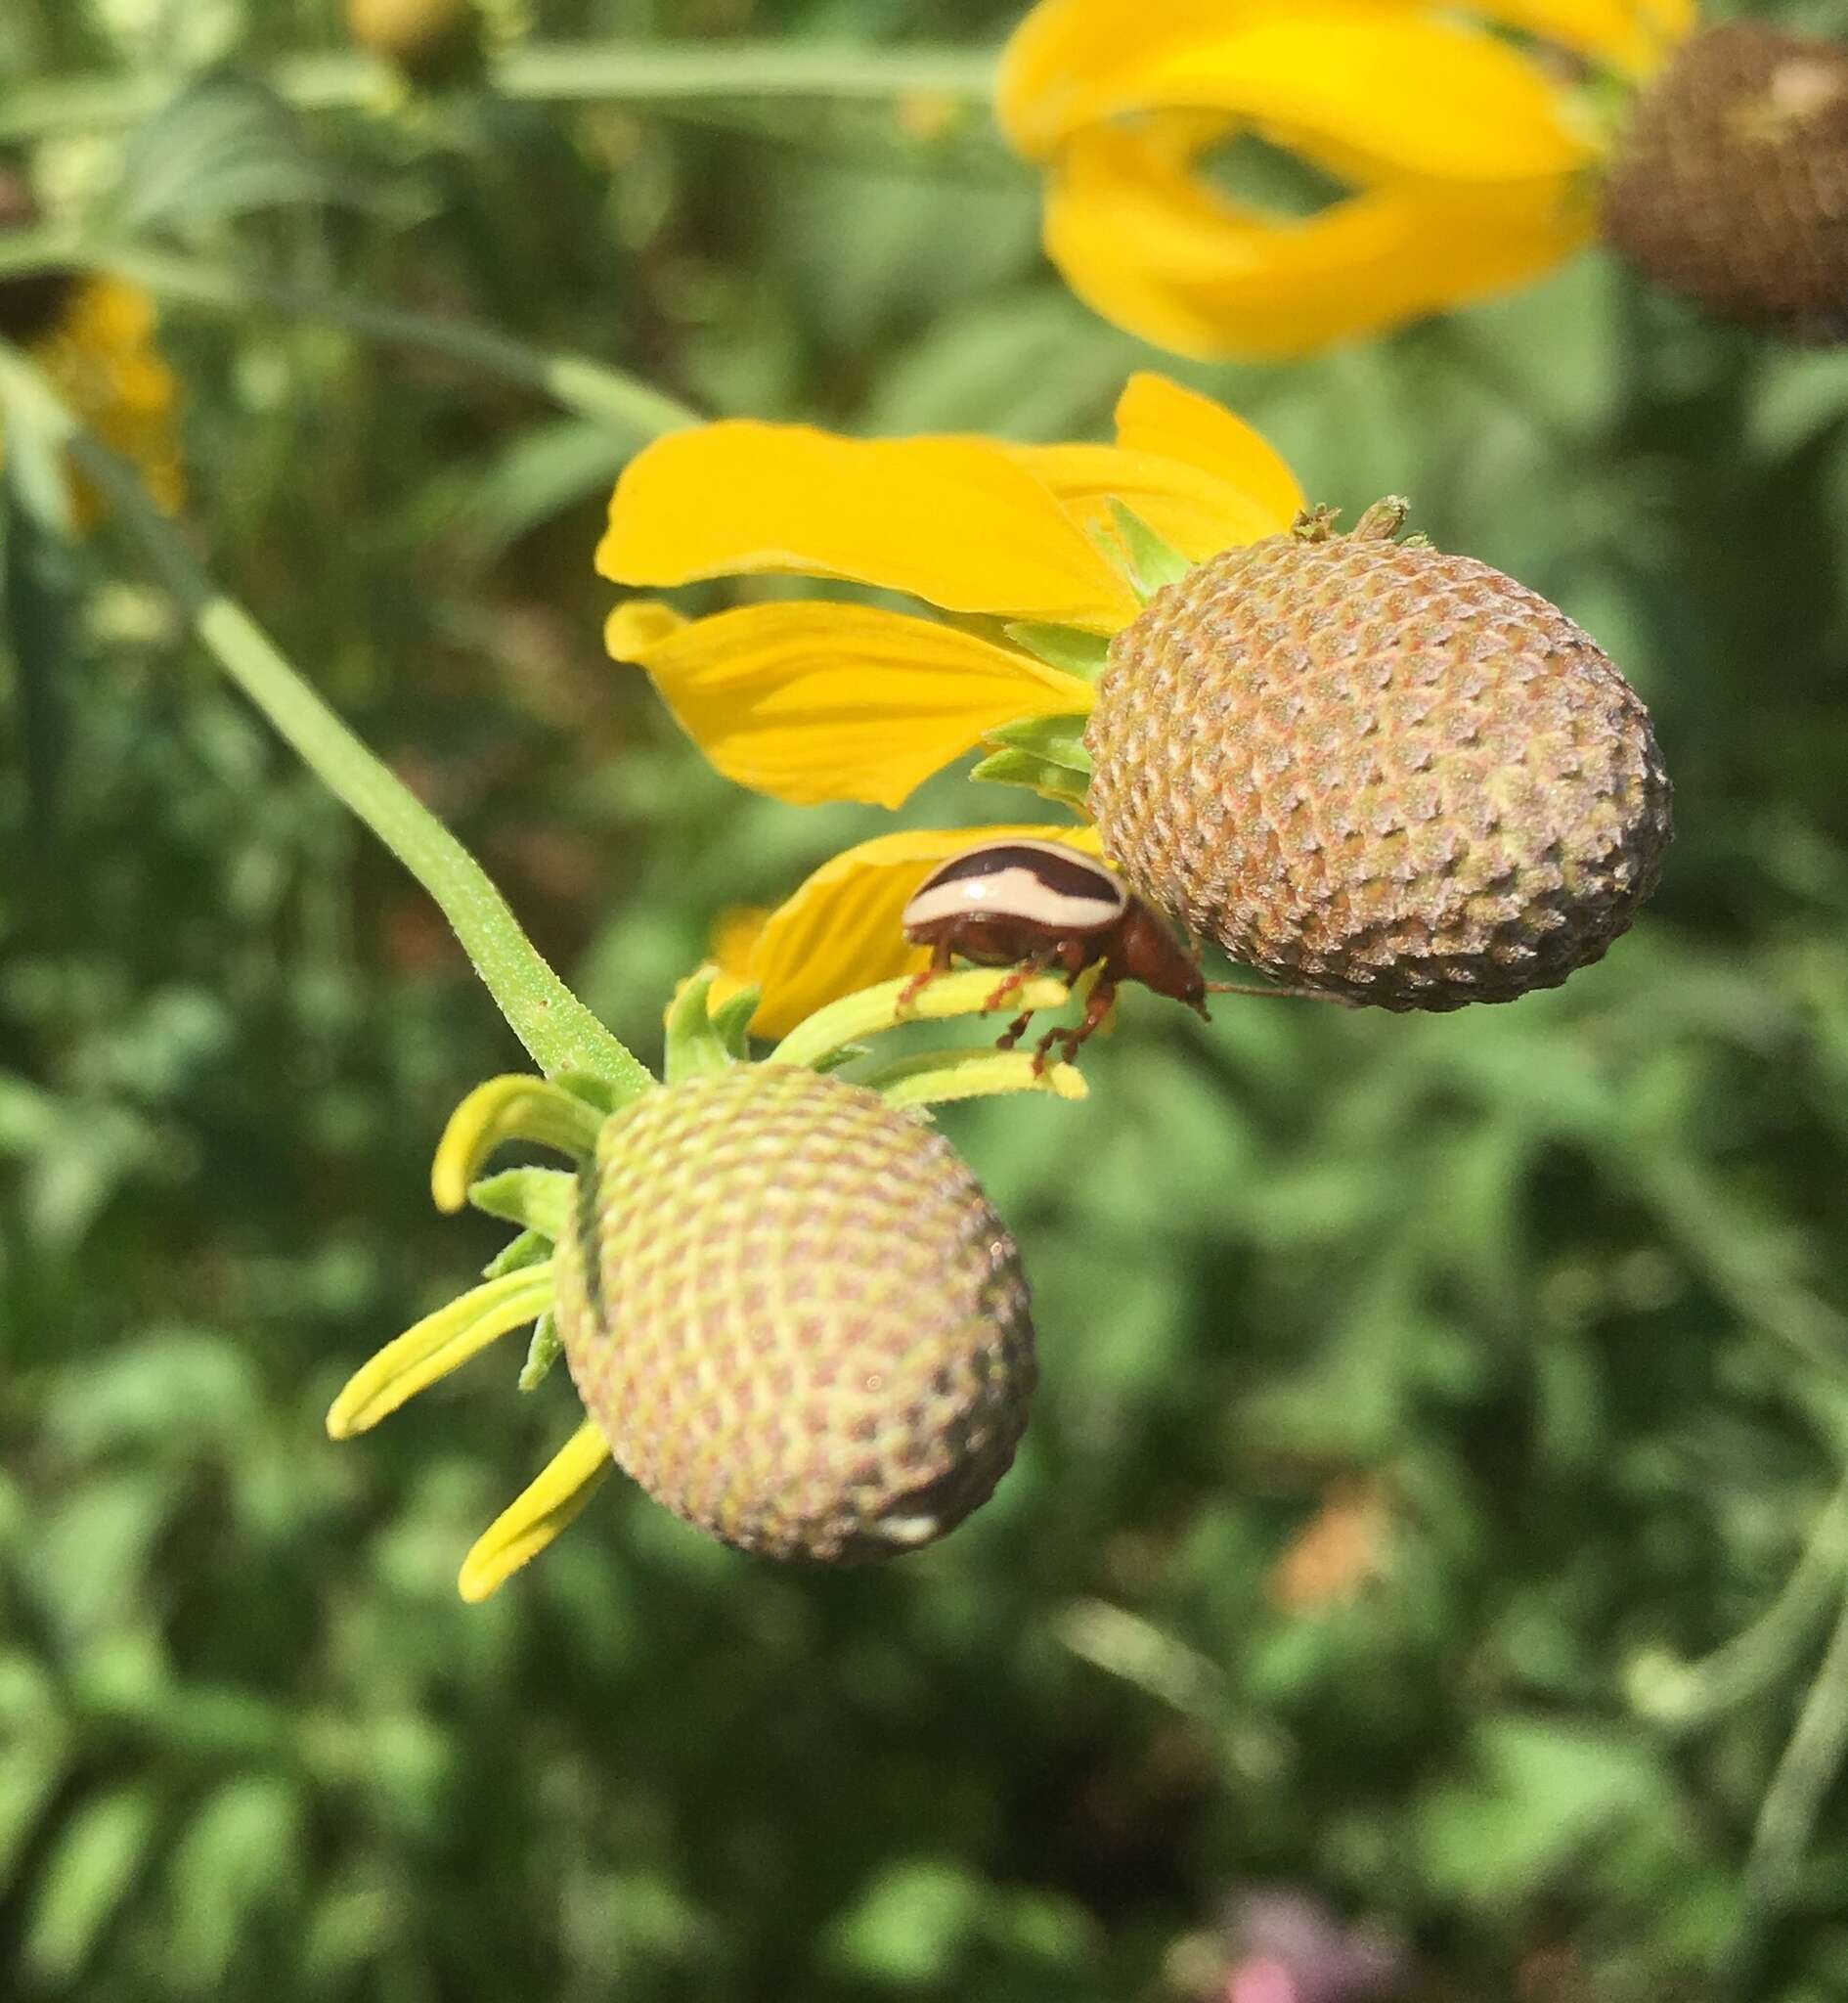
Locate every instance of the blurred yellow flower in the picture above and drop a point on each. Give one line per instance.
(1460, 142)
(96, 348)
(810, 700)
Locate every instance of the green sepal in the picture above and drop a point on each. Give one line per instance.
(542, 1352)
(540, 1199)
(1069, 647)
(1047, 776)
(594, 1091)
(732, 1018)
(696, 1044)
(1153, 561)
(530, 1248)
(1058, 739)
(836, 1060)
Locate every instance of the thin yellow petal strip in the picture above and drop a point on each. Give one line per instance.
(809, 702)
(870, 1011)
(513, 1107)
(840, 931)
(936, 1077)
(537, 1514)
(1156, 416)
(952, 520)
(1151, 247)
(437, 1345)
(1376, 90)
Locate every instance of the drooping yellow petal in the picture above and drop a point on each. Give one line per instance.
(812, 701)
(1059, 63)
(1378, 91)
(954, 521)
(1156, 416)
(841, 930)
(1197, 511)
(437, 1345)
(537, 1514)
(1154, 249)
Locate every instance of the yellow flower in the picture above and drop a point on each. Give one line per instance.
(97, 351)
(1461, 148)
(1031, 547)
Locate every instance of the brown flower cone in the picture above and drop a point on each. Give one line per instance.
(1730, 186)
(794, 1317)
(1370, 769)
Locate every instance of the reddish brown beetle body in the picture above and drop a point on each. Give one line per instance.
(1033, 906)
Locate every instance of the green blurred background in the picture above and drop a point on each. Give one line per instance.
(1419, 1396)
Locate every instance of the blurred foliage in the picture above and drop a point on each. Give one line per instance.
(1419, 1395)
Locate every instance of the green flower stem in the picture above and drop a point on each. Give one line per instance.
(1786, 1817)
(869, 1011)
(557, 1030)
(660, 73)
(592, 389)
(1685, 1695)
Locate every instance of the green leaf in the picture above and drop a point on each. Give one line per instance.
(86, 1880)
(1062, 647)
(540, 1199)
(242, 1853)
(1153, 561)
(910, 1924)
(225, 146)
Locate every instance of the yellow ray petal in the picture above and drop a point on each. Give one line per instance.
(810, 702)
(1153, 249)
(437, 1345)
(840, 931)
(1156, 416)
(952, 520)
(1196, 510)
(537, 1514)
(1378, 89)
(1060, 62)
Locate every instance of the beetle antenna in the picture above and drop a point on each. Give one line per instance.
(1278, 993)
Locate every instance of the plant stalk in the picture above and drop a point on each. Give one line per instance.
(657, 73)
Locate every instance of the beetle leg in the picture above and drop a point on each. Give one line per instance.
(925, 975)
(1096, 1009)
(1018, 977)
(1013, 1033)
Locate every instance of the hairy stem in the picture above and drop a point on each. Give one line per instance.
(594, 389)
(659, 73)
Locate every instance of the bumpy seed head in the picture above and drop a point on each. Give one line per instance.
(432, 41)
(1730, 186)
(1373, 769)
(792, 1314)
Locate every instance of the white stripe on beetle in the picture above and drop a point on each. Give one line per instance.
(1017, 892)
